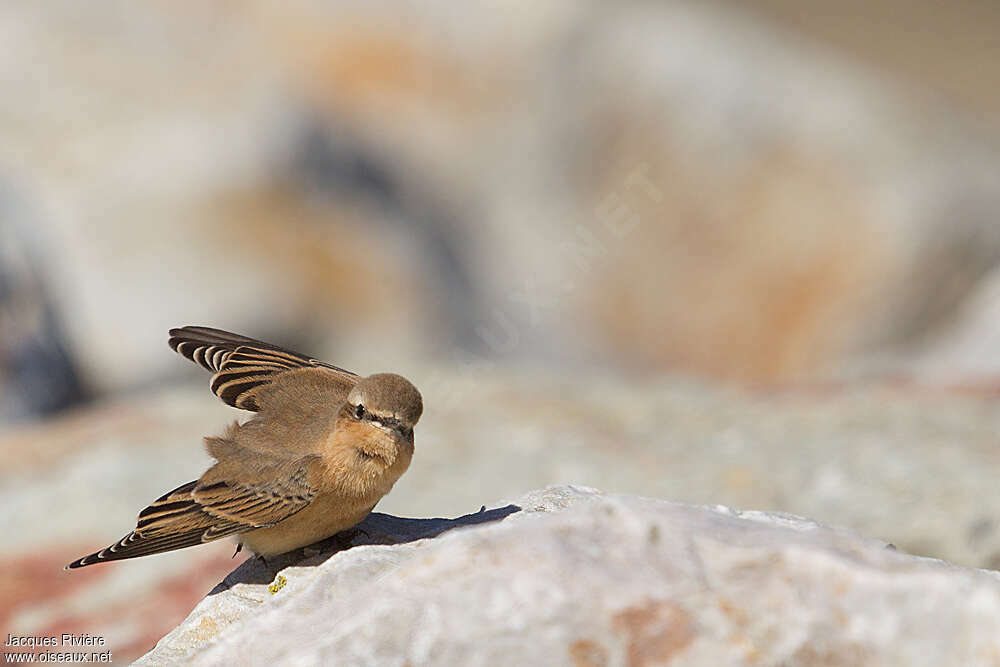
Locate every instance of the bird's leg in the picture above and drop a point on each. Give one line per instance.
(345, 538)
(348, 536)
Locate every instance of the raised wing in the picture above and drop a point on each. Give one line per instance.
(242, 365)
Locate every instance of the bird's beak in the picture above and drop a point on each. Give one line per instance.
(403, 431)
(394, 425)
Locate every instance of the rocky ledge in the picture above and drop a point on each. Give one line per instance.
(568, 575)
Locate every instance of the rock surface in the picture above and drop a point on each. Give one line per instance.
(570, 576)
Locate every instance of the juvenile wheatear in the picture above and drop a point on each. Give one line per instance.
(323, 448)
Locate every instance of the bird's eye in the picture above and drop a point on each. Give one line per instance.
(359, 411)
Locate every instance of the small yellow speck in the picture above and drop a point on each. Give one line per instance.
(278, 584)
(207, 629)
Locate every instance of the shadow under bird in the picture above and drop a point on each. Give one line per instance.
(322, 449)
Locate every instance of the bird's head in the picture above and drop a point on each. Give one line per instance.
(388, 401)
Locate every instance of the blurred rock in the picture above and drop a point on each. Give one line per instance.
(939, 50)
(964, 353)
(159, 161)
(38, 377)
(641, 185)
(581, 578)
(664, 185)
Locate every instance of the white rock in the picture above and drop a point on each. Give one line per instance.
(578, 577)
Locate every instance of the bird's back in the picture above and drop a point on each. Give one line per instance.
(298, 411)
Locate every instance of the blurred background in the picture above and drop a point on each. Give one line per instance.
(724, 252)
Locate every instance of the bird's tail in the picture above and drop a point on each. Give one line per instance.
(173, 521)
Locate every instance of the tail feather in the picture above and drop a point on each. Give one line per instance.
(133, 546)
(173, 521)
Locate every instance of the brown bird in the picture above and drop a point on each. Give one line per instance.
(322, 450)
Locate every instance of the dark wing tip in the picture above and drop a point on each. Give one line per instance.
(200, 330)
(201, 334)
(205, 346)
(178, 335)
(85, 561)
